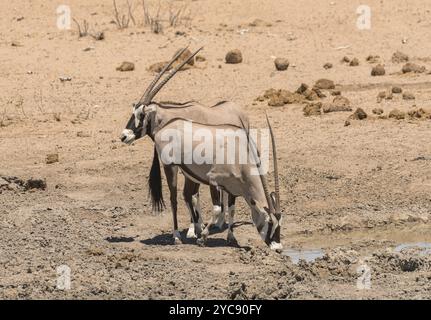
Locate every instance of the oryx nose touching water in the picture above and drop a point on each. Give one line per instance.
(198, 141)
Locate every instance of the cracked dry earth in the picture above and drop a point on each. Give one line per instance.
(358, 195)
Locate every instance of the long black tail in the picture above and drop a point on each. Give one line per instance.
(155, 184)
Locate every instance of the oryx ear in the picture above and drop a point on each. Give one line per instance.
(147, 111)
(150, 108)
(138, 113)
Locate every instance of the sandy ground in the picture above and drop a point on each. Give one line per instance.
(354, 192)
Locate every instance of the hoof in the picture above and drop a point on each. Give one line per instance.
(201, 242)
(177, 237)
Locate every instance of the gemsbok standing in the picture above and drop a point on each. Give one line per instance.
(162, 122)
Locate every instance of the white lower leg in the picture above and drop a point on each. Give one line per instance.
(191, 232)
(177, 236)
(219, 217)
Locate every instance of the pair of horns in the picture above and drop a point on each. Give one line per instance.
(152, 89)
(274, 205)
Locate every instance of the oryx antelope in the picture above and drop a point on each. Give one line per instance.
(237, 179)
(191, 111)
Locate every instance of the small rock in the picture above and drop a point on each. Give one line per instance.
(378, 70)
(399, 57)
(413, 67)
(327, 66)
(302, 88)
(324, 84)
(339, 104)
(359, 114)
(35, 184)
(345, 59)
(408, 96)
(397, 90)
(341, 101)
(380, 96)
(16, 44)
(126, 66)
(157, 67)
(347, 123)
(183, 57)
(312, 109)
(336, 92)
(52, 158)
(233, 57)
(269, 93)
(397, 114)
(276, 101)
(354, 62)
(373, 59)
(311, 95)
(419, 113)
(378, 111)
(65, 79)
(3, 182)
(281, 64)
(277, 97)
(200, 58)
(319, 93)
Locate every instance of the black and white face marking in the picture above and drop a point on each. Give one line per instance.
(135, 128)
(268, 226)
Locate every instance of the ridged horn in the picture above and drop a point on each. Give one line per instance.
(144, 99)
(170, 75)
(258, 165)
(274, 158)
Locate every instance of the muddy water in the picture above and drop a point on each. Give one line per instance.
(309, 248)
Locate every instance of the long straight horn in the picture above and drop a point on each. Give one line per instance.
(171, 74)
(274, 158)
(144, 97)
(259, 167)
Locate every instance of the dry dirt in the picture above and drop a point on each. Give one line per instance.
(356, 192)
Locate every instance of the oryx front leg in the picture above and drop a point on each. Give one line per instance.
(218, 201)
(171, 173)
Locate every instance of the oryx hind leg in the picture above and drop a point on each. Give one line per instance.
(231, 213)
(191, 197)
(219, 207)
